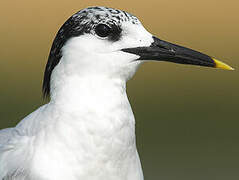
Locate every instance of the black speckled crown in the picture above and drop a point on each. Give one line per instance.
(78, 24)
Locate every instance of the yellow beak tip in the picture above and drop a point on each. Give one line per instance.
(222, 65)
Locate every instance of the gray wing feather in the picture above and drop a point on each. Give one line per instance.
(14, 149)
(17, 175)
(5, 135)
(13, 173)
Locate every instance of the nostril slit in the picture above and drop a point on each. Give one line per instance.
(163, 47)
(172, 50)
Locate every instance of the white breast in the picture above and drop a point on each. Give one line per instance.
(93, 140)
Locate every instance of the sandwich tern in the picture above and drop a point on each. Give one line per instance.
(87, 130)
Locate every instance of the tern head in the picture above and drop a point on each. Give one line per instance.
(101, 41)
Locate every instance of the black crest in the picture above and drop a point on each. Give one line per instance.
(69, 29)
(80, 23)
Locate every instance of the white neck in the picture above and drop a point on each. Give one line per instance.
(89, 132)
(98, 93)
(93, 120)
(100, 102)
(99, 116)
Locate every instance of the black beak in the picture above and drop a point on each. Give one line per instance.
(164, 51)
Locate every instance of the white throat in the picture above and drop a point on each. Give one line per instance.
(95, 118)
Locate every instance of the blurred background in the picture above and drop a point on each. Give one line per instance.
(187, 116)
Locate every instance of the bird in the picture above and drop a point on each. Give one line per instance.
(87, 129)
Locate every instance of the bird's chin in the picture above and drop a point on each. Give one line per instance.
(134, 65)
(136, 62)
(131, 68)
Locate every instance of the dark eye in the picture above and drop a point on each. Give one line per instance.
(102, 30)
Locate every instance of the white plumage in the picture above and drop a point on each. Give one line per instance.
(87, 130)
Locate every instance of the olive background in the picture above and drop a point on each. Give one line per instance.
(187, 116)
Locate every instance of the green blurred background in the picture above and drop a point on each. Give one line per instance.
(187, 117)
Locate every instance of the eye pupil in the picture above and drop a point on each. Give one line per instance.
(102, 30)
